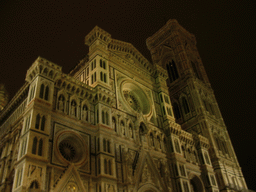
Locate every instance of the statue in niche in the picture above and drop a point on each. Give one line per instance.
(73, 108)
(61, 103)
(85, 113)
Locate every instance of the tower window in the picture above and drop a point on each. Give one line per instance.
(41, 95)
(172, 71)
(34, 145)
(176, 111)
(40, 147)
(185, 105)
(44, 93)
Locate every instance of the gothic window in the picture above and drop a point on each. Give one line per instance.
(104, 145)
(172, 71)
(46, 95)
(40, 147)
(114, 123)
(94, 63)
(105, 166)
(109, 167)
(25, 146)
(43, 123)
(103, 117)
(101, 63)
(41, 95)
(108, 146)
(34, 145)
(213, 180)
(104, 65)
(37, 121)
(105, 77)
(177, 147)
(185, 105)
(92, 79)
(107, 118)
(94, 76)
(164, 111)
(176, 111)
(207, 158)
(195, 70)
(101, 76)
(122, 128)
(99, 165)
(34, 185)
(91, 66)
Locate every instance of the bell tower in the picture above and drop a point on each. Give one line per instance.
(194, 105)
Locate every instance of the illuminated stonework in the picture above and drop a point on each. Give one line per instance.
(119, 123)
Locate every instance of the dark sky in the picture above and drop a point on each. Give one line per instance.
(225, 33)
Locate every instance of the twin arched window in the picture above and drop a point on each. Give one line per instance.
(37, 147)
(40, 122)
(105, 117)
(44, 92)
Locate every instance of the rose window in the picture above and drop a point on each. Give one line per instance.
(67, 151)
(132, 101)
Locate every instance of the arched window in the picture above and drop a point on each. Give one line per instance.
(101, 63)
(37, 121)
(40, 147)
(104, 65)
(177, 146)
(105, 78)
(103, 117)
(34, 145)
(41, 95)
(104, 145)
(172, 71)
(43, 123)
(185, 105)
(107, 118)
(114, 123)
(101, 76)
(108, 143)
(105, 166)
(34, 185)
(206, 158)
(176, 111)
(109, 167)
(99, 165)
(46, 95)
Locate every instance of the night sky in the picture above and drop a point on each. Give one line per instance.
(225, 34)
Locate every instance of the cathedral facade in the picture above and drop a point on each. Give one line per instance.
(119, 123)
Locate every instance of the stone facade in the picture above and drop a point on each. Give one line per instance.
(118, 123)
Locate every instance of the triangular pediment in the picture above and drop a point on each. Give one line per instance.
(147, 173)
(70, 181)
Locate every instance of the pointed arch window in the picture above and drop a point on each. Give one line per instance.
(105, 166)
(103, 117)
(46, 95)
(108, 146)
(34, 185)
(172, 71)
(43, 123)
(104, 145)
(177, 146)
(109, 167)
(37, 121)
(41, 95)
(176, 111)
(185, 105)
(34, 146)
(40, 147)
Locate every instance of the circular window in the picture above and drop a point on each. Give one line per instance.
(135, 97)
(71, 147)
(67, 150)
